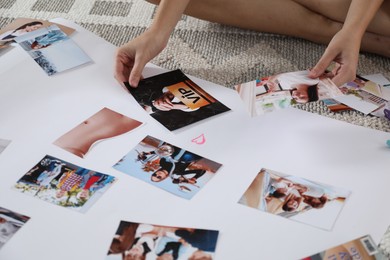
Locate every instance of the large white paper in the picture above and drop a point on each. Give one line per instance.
(35, 110)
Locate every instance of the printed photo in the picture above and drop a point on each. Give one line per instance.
(52, 49)
(295, 198)
(175, 101)
(3, 144)
(64, 184)
(360, 248)
(10, 223)
(146, 241)
(21, 26)
(283, 90)
(168, 167)
(103, 125)
(259, 98)
(363, 95)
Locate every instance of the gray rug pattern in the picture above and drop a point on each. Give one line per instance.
(221, 54)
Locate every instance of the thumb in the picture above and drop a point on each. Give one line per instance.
(136, 72)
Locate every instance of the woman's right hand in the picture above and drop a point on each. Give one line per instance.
(132, 57)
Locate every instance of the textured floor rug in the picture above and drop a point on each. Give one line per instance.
(221, 54)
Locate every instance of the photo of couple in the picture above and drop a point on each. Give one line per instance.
(145, 241)
(295, 198)
(168, 167)
(64, 184)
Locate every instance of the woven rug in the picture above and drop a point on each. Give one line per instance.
(221, 54)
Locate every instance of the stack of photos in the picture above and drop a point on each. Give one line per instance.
(3, 144)
(282, 90)
(103, 125)
(361, 248)
(168, 167)
(64, 184)
(295, 198)
(10, 223)
(146, 241)
(364, 95)
(52, 49)
(21, 26)
(175, 101)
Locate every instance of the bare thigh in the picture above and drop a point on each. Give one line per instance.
(274, 16)
(337, 10)
(314, 20)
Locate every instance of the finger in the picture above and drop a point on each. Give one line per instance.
(136, 72)
(321, 65)
(345, 73)
(120, 72)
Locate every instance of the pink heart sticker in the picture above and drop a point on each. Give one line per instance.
(199, 140)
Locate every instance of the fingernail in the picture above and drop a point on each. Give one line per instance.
(133, 84)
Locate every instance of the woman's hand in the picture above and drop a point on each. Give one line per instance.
(132, 57)
(344, 50)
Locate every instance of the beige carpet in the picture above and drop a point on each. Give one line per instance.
(220, 54)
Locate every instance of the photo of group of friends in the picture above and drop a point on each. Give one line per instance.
(64, 184)
(104, 124)
(10, 223)
(295, 198)
(360, 248)
(168, 167)
(283, 90)
(138, 241)
(174, 100)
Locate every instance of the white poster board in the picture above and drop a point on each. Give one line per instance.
(36, 109)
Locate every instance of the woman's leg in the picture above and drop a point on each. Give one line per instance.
(337, 10)
(317, 21)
